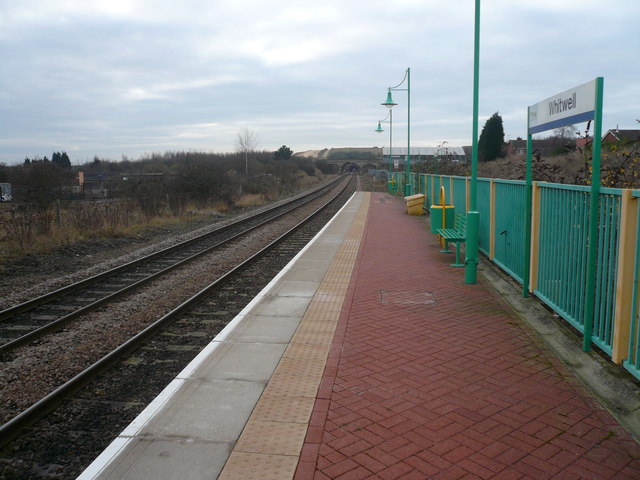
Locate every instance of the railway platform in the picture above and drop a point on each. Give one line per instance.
(369, 357)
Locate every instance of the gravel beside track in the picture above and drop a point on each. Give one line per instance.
(60, 445)
(33, 275)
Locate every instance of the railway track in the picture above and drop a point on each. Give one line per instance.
(86, 419)
(48, 313)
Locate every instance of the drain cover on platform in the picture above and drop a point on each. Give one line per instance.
(407, 298)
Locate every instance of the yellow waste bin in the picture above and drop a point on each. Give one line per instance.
(413, 204)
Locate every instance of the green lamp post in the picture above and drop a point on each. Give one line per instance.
(473, 216)
(390, 182)
(389, 103)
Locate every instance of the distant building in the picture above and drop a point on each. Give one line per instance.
(544, 146)
(582, 142)
(422, 154)
(621, 136)
(547, 146)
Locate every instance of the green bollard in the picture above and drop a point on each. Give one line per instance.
(471, 260)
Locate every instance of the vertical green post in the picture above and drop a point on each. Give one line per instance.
(471, 262)
(391, 184)
(594, 213)
(408, 186)
(527, 212)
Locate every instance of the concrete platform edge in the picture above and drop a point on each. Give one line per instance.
(131, 432)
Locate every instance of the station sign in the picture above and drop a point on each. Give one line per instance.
(572, 106)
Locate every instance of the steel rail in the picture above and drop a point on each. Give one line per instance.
(46, 404)
(46, 298)
(60, 322)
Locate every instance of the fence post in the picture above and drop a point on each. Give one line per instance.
(624, 282)
(451, 190)
(492, 219)
(535, 236)
(433, 192)
(467, 193)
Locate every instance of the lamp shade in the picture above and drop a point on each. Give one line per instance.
(379, 129)
(389, 103)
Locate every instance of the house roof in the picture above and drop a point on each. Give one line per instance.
(624, 135)
(425, 151)
(535, 143)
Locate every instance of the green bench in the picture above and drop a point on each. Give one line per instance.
(457, 235)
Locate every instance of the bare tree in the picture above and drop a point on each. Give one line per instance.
(568, 132)
(246, 142)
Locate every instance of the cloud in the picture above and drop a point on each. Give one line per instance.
(119, 77)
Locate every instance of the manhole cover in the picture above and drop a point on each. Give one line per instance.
(406, 298)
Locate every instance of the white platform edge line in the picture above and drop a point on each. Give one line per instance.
(129, 433)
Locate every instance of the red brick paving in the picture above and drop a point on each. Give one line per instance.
(459, 389)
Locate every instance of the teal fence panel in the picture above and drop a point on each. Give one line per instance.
(483, 204)
(562, 254)
(399, 176)
(428, 182)
(632, 363)
(437, 183)
(460, 194)
(413, 179)
(606, 273)
(420, 184)
(562, 266)
(422, 188)
(509, 250)
(446, 183)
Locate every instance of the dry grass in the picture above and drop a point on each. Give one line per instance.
(557, 169)
(27, 231)
(251, 200)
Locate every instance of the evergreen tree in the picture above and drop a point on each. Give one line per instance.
(65, 161)
(491, 139)
(61, 159)
(283, 153)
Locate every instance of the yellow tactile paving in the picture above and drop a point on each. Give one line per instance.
(327, 314)
(272, 439)
(257, 466)
(314, 352)
(274, 408)
(279, 438)
(299, 366)
(313, 337)
(296, 386)
(315, 325)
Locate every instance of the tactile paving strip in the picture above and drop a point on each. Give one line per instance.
(272, 439)
(285, 408)
(256, 466)
(280, 438)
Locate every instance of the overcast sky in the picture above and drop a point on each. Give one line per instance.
(124, 77)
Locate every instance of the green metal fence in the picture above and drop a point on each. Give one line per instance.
(460, 194)
(421, 187)
(562, 240)
(562, 264)
(608, 232)
(509, 247)
(632, 363)
(483, 204)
